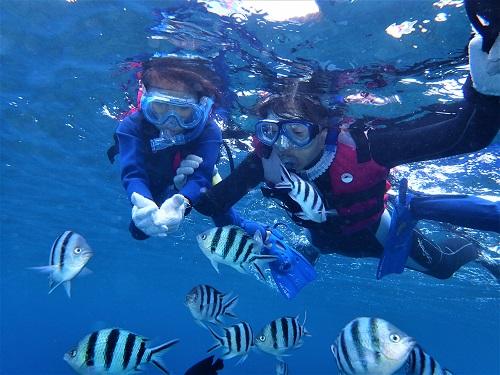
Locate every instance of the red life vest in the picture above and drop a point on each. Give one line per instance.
(358, 189)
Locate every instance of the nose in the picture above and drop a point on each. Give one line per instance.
(282, 142)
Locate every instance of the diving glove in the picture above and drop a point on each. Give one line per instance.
(144, 215)
(398, 244)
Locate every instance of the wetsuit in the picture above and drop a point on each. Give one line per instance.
(474, 128)
(151, 173)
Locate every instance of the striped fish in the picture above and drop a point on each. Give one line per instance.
(232, 246)
(281, 368)
(68, 256)
(371, 346)
(114, 351)
(208, 304)
(237, 340)
(305, 195)
(421, 363)
(281, 335)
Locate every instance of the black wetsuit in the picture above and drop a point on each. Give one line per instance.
(471, 130)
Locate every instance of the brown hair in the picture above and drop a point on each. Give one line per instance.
(195, 72)
(296, 106)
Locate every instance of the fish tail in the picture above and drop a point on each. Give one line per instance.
(156, 351)
(227, 309)
(218, 344)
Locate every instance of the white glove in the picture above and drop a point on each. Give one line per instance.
(484, 67)
(144, 215)
(171, 212)
(186, 168)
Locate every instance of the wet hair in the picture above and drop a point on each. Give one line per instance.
(195, 73)
(306, 107)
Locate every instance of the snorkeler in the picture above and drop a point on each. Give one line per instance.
(176, 130)
(349, 170)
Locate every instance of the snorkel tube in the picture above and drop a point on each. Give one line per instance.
(165, 140)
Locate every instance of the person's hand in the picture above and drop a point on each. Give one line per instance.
(144, 215)
(186, 168)
(485, 67)
(171, 212)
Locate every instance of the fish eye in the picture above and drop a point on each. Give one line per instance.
(72, 353)
(77, 250)
(261, 338)
(203, 236)
(394, 337)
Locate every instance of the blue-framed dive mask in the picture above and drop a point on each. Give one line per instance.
(167, 113)
(164, 110)
(299, 133)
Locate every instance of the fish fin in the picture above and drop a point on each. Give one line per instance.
(160, 366)
(158, 350)
(303, 216)
(45, 269)
(67, 287)
(215, 265)
(200, 323)
(259, 270)
(242, 359)
(283, 185)
(333, 349)
(85, 271)
(226, 309)
(332, 212)
(53, 285)
(263, 258)
(447, 372)
(218, 344)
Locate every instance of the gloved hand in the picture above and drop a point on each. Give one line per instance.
(186, 168)
(171, 212)
(144, 215)
(485, 67)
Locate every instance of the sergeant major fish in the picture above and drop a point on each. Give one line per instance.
(281, 335)
(371, 346)
(69, 254)
(114, 351)
(232, 246)
(421, 363)
(208, 304)
(305, 195)
(237, 340)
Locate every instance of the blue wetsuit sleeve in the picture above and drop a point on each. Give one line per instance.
(133, 150)
(207, 147)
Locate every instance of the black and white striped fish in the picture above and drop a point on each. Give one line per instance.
(281, 336)
(421, 363)
(69, 254)
(208, 304)
(237, 340)
(281, 368)
(371, 346)
(114, 351)
(232, 246)
(305, 195)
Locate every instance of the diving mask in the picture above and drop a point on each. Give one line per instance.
(166, 111)
(299, 133)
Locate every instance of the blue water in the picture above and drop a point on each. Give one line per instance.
(60, 89)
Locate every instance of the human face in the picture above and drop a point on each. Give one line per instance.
(171, 106)
(299, 158)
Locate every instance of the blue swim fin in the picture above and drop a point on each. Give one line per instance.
(291, 272)
(398, 244)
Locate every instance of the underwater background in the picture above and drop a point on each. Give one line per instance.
(62, 88)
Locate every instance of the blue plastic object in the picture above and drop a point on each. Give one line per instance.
(291, 271)
(398, 245)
